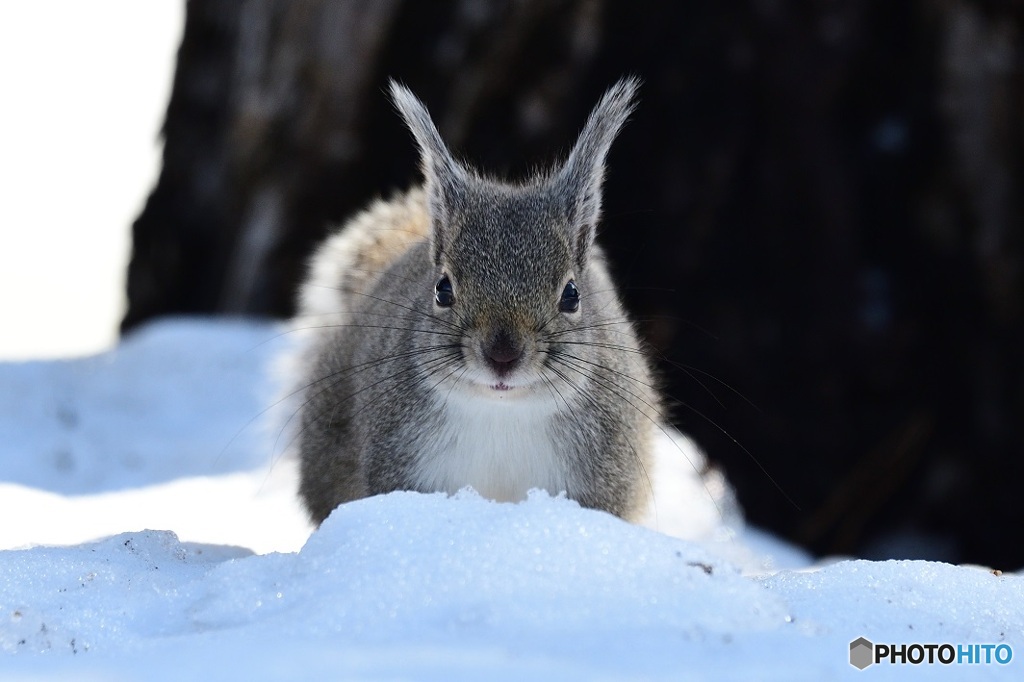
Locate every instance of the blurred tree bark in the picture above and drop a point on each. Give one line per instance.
(833, 188)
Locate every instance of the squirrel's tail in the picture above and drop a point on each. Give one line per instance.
(350, 262)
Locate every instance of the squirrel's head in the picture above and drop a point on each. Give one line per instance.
(513, 260)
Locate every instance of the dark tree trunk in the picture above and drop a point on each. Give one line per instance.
(833, 189)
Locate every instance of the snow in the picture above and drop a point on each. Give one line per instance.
(151, 531)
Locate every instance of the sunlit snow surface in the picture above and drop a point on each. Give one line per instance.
(166, 433)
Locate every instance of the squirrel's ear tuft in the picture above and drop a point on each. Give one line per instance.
(444, 178)
(581, 177)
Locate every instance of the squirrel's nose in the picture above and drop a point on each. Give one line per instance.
(503, 353)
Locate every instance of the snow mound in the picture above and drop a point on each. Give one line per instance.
(175, 399)
(429, 587)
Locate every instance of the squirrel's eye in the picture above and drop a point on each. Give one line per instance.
(444, 295)
(570, 302)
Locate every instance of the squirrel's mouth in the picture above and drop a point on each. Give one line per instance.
(489, 384)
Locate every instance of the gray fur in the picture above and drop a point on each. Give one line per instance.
(445, 179)
(583, 173)
(406, 395)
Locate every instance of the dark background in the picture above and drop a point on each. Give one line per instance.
(815, 213)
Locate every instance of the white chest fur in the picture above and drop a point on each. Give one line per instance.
(500, 447)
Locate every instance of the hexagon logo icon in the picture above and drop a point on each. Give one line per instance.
(862, 653)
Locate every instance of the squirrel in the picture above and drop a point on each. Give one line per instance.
(468, 333)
